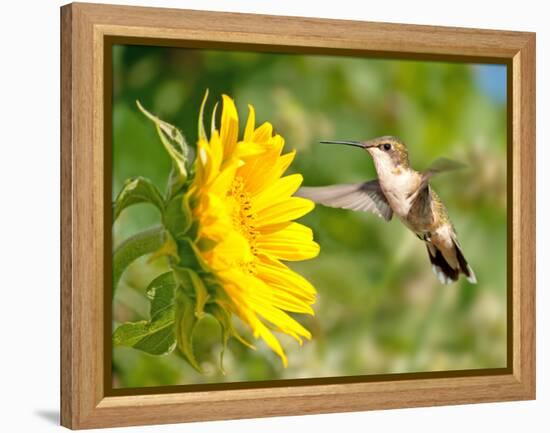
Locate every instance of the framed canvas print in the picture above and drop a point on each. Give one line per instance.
(265, 215)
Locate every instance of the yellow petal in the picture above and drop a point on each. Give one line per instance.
(249, 129)
(284, 162)
(222, 183)
(259, 300)
(291, 243)
(283, 322)
(263, 133)
(277, 275)
(247, 314)
(276, 143)
(260, 172)
(229, 127)
(271, 341)
(216, 151)
(246, 149)
(213, 119)
(202, 131)
(202, 163)
(291, 251)
(282, 189)
(287, 210)
(289, 230)
(259, 293)
(214, 217)
(229, 253)
(288, 302)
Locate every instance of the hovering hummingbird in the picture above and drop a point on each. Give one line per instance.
(405, 192)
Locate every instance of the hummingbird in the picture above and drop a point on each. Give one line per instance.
(407, 193)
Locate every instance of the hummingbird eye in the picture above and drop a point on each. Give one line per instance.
(386, 146)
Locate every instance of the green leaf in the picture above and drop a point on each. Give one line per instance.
(137, 190)
(140, 244)
(177, 216)
(190, 281)
(167, 249)
(193, 232)
(161, 293)
(175, 145)
(224, 319)
(156, 336)
(185, 325)
(223, 316)
(190, 256)
(162, 342)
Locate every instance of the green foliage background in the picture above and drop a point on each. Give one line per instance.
(380, 309)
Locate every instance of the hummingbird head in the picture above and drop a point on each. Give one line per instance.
(388, 152)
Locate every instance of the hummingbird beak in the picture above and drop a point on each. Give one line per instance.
(347, 143)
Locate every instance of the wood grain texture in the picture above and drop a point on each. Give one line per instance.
(85, 27)
(67, 385)
(524, 216)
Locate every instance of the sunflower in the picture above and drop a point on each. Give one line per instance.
(245, 210)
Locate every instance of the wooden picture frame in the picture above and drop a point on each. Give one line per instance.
(85, 33)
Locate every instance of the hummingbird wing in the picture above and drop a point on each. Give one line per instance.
(440, 165)
(366, 196)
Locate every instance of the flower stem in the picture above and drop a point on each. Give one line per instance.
(145, 242)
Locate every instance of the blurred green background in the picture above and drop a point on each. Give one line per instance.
(380, 309)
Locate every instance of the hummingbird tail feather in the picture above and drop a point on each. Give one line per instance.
(465, 268)
(443, 271)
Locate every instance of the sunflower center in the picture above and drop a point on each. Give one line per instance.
(244, 219)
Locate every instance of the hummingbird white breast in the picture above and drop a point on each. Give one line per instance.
(398, 184)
